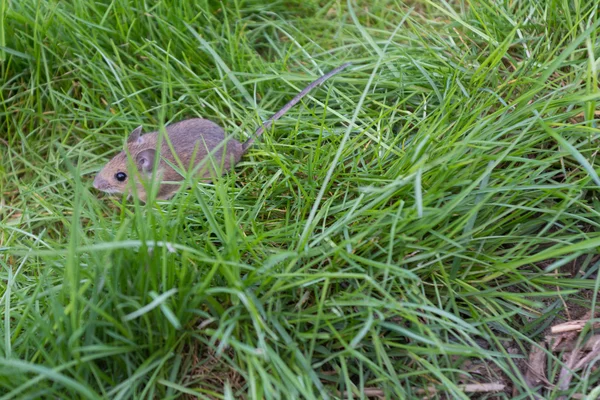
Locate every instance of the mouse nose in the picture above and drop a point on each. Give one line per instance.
(100, 183)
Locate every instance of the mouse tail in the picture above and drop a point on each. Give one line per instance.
(267, 124)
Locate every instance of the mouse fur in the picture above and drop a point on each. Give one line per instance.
(190, 137)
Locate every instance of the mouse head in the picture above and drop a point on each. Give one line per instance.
(116, 175)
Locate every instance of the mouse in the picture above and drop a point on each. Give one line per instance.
(199, 145)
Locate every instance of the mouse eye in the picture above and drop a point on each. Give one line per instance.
(121, 176)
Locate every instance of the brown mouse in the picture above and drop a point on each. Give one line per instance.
(192, 141)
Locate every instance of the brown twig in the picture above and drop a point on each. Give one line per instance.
(570, 326)
(566, 372)
(468, 388)
(595, 352)
(482, 387)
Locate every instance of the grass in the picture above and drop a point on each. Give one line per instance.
(415, 215)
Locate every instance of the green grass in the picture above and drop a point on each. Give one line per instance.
(416, 212)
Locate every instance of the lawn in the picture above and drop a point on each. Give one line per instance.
(413, 229)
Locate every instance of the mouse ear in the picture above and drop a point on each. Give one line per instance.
(145, 160)
(134, 136)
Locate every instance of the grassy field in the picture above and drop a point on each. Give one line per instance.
(415, 225)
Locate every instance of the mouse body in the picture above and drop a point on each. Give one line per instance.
(192, 140)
